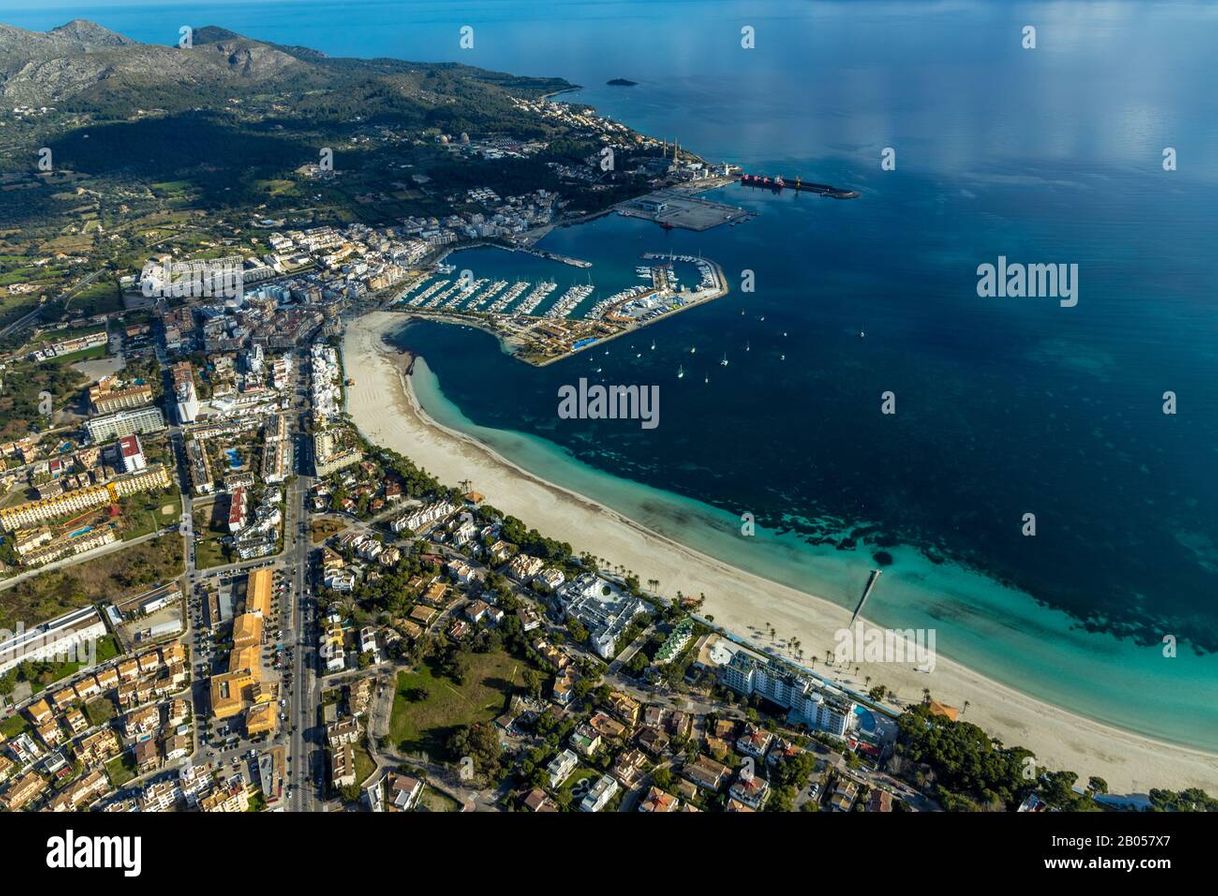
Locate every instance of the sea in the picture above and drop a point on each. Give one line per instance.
(1096, 146)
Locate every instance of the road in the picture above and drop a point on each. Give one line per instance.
(306, 758)
(27, 319)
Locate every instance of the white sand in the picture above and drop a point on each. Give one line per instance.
(385, 410)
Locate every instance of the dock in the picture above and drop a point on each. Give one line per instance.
(872, 579)
(553, 256)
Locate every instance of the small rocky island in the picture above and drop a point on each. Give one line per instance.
(622, 82)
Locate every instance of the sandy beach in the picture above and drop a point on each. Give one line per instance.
(384, 409)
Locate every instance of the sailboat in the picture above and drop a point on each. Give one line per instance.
(653, 345)
(747, 347)
(694, 349)
(861, 334)
(782, 357)
(723, 363)
(706, 380)
(680, 372)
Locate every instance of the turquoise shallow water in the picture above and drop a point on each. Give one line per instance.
(1004, 407)
(997, 630)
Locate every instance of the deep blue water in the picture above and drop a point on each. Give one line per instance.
(1004, 406)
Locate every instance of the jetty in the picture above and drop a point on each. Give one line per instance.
(553, 256)
(871, 580)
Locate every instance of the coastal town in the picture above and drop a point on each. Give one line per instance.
(297, 618)
(242, 571)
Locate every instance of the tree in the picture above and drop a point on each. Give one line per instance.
(1096, 784)
(532, 681)
(481, 744)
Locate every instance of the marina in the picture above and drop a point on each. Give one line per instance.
(542, 322)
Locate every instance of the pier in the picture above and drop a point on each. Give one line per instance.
(875, 577)
(553, 256)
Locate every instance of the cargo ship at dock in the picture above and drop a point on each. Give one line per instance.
(778, 184)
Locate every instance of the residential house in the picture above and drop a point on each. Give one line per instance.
(23, 791)
(652, 740)
(537, 800)
(342, 765)
(346, 731)
(604, 790)
(750, 790)
(629, 767)
(625, 707)
(585, 740)
(657, 800)
(403, 791)
(606, 726)
(563, 689)
(147, 756)
(754, 741)
(39, 712)
(560, 768)
(706, 773)
(845, 792)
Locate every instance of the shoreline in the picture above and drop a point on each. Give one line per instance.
(739, 601)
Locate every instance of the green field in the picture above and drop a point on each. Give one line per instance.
(433, 800)
(14, 726)
(209, 552)
(121, 768)
(428, 723)
(144, 514)
(364, 765)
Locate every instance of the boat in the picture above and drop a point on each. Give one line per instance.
(747, 347)
(653, 345)
(723, 363)
(680, 372)
(861, 334)
(693, 350)
(782, 357)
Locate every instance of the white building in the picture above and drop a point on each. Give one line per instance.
(561, 766)
(599, 796)
(67, 637)
(132, 453)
